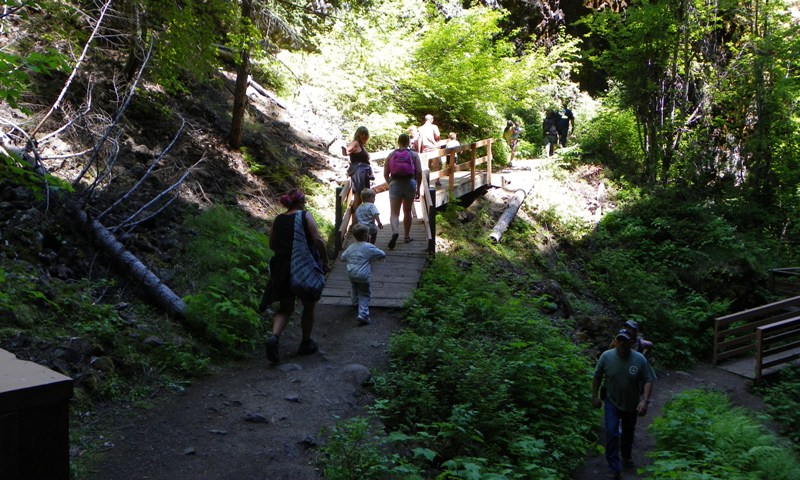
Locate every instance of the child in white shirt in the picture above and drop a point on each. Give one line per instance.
(368, 215)
(359, 256)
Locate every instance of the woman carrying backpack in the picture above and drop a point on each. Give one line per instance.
(403, 172)
(360, 171)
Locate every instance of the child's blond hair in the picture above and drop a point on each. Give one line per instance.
(360, 232)
(367, 195)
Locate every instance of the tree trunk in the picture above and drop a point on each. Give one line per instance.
(108, 243)
(240, 91)
(508, 215)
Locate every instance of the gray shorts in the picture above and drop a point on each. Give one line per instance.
(402, 188)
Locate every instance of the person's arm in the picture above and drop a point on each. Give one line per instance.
(351, 147)
(386, 174)
(596, 392)
(417, 171)
(647, 347)
(318, 241)
(377, 218)
(645, 401)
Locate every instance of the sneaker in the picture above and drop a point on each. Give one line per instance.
(393, 241)
(628, 463)
(272, 350)
(363, 320)
(307, 347)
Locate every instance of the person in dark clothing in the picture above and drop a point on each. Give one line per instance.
(628, 387)
(281, 241)
(550, 130)
(565, 125)
(360, 170)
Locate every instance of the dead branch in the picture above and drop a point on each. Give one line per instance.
(75, 69)
(127, 223)
(146, 174)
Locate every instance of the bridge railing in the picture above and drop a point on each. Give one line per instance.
(762, 331)
(777, 343)
(473, 157)
(785, 281)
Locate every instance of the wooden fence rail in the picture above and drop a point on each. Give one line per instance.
(763, 332)
(785, 281)
(474, 157)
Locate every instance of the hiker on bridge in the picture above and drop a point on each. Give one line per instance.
(281, 241)
(429, 139)
(511, 135)
(403, 172)
(359, 257)
(360, 170)
(628, 386)
(367, 214)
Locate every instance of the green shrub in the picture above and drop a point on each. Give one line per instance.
(700, 435)
(784, 403)
(483, 381)
(227, 268)
(611, 139)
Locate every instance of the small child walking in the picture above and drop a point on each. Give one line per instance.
(368, 215)
(359, 257)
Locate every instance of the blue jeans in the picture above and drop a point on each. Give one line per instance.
(619, 426)
(361, 294)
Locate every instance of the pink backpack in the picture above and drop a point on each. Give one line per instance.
(401, 165)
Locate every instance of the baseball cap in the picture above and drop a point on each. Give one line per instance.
(632, 324)
(624, 333)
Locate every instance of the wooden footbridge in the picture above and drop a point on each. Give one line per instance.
(466, 168)
(757, 342)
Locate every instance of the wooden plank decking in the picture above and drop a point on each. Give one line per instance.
(394, 279)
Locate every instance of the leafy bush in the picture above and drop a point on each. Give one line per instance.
(478, 378)
(701, 436)
(784, 403)
(677, 264)
(227, 268)
(611, 138)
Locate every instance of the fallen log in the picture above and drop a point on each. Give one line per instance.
(508, 215)
(159, 292)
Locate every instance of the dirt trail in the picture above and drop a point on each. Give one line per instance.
(670, 383)
(254, 420)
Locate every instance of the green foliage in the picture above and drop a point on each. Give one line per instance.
(784, 403)
(228, 265)
(477, 374)
(15, 72)
(612, 139)
(187, 35)
(676, 264)
(701, 436)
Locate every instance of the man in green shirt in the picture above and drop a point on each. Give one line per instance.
(628, 385)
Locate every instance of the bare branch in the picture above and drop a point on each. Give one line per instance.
(147, 173)
(127, 222)
(117, 117)
(75, 69)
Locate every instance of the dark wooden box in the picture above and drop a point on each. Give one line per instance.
(34, 421)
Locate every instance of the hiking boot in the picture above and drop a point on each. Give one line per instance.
(628, 463)
(307, 347)
(272, 350)
(363, 320)
(614, 476)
